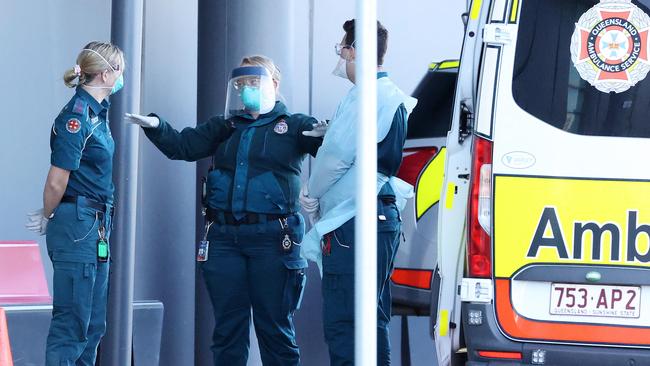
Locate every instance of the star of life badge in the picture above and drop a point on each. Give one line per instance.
(281, 127)
(609, 46)
(73, 125)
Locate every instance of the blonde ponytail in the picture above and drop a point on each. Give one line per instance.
(69, 77)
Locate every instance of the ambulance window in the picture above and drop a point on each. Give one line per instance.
(547, 84)
(432, 115)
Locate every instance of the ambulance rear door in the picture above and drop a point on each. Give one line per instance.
(453, 206)
(415, 281)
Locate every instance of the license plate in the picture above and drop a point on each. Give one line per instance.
(595, 300)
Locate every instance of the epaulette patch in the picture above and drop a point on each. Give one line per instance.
(79, 106)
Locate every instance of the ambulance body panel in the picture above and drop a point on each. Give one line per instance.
(544, 240)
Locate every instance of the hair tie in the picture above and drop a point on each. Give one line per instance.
(77, 70)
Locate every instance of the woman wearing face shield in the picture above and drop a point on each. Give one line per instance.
(249, 257)
(78, 207)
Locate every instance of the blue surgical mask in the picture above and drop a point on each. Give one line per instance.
(250, 97)
(119, 83)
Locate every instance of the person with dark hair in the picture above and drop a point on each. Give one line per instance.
(346, 50)
(330, 195)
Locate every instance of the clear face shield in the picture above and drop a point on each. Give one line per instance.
(250, 90)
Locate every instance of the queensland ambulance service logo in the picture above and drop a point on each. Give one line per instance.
(281, 127)
(609, 46)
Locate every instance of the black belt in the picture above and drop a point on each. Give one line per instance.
(250, 218)
(107, 209)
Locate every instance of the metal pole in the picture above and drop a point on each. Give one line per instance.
(366, 218)
(126, 32)
(213, 76)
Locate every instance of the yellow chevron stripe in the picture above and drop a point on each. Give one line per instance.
(429, 185)
(449, 198)
(513, 10)
(476, 9)
(443, 326)
(449, 64)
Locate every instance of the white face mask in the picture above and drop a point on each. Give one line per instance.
(119, 82)
(340, 69)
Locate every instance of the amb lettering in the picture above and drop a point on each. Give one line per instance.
(556, 238)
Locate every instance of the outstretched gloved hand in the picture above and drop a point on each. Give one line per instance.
(36, 222)
(319, 129)
(144, 121)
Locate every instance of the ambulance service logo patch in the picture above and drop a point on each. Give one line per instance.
(73, 125)
(609, 47)
(281, 127)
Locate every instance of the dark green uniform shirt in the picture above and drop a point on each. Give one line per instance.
(82, 143)
(389, 150)
(257, 163)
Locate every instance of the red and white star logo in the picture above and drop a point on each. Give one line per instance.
(609, 46)
(73, 125)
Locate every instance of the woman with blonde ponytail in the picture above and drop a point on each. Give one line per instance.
(78, 207)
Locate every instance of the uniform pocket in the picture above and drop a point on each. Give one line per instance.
(87, 223)
(63, 282)
(340, 243)
(218, 189)
(388, 226)
(265, 194)
(72, 283)
(297, 228)
(338, 303)
(86, 228)
(295, 283)
(388, 217)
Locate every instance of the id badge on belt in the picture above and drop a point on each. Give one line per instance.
(102, 243)
(204, 246)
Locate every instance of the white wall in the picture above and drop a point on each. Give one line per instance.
(40, 40)
(419, 32)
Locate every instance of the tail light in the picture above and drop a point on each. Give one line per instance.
(414, 161)
(501, 355)
(479, 245)
(416, 278)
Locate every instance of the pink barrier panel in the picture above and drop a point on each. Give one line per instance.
(22, 278)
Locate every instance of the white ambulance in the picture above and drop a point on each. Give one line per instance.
(543, 232)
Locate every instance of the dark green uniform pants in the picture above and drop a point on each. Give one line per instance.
(248, 269)
(338, 283)
(80, 285)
